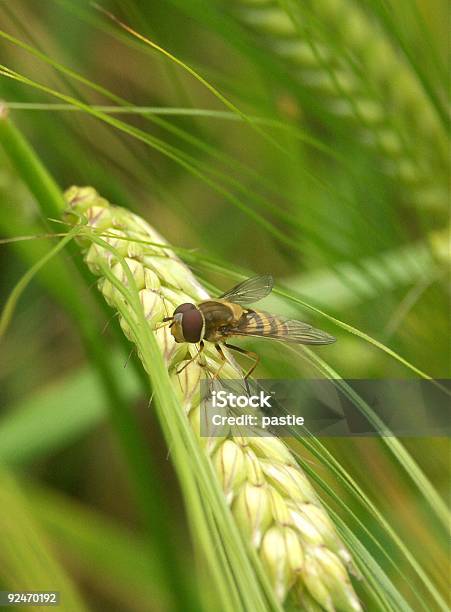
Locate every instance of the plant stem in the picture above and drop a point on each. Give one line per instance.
(31, 169)
(142, 472)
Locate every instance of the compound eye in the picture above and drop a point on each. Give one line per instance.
(192, 325)
(184, 308)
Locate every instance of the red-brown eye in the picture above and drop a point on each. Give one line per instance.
(192, 325)
(184, 308)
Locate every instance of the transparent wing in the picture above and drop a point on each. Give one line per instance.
(264, 325)
(250, 290)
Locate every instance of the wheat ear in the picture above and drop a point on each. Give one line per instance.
(270, 497)
(342, 57)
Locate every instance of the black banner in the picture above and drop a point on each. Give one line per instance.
(320, 407)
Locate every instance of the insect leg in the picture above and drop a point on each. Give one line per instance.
(201, 348)
(167, 319)
(249, 354)
(223, 359)
(163, 323)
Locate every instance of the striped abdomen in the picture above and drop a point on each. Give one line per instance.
(258, 323)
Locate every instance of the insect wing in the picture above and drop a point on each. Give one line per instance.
(265, 325)
(250, 290)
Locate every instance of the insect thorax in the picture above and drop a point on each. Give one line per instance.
(218, 314)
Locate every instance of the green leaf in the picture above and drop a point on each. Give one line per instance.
(55, 417)
(27, 563)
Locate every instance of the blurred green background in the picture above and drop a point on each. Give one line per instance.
(333, 178)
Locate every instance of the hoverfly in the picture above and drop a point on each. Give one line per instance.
(217, 320)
